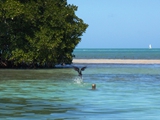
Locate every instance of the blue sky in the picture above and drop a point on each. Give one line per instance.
(119, 23)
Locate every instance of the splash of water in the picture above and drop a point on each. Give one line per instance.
(78, 80)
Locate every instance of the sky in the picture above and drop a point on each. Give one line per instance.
(119, 23)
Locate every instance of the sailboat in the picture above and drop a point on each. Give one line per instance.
(150, 46)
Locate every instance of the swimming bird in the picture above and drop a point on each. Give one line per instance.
(79, 70)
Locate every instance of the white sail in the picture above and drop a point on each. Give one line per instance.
(150, 46)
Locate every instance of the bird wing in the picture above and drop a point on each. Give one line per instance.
(76, 68)
(83, 68)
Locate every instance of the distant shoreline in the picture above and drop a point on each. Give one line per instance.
(116, 61)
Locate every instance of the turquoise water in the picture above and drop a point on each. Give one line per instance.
(117, 53)
(123, 92)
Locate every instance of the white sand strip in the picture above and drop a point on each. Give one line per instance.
(116, 61)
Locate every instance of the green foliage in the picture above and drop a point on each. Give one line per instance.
(39, 31)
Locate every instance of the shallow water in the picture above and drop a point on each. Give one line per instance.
(123, 92)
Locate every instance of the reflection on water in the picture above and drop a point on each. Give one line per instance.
(123, 92)
(20, 107)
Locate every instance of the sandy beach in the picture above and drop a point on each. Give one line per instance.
(116, 61)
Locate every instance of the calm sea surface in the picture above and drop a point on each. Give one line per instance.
(124, 92)
(117, 53)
